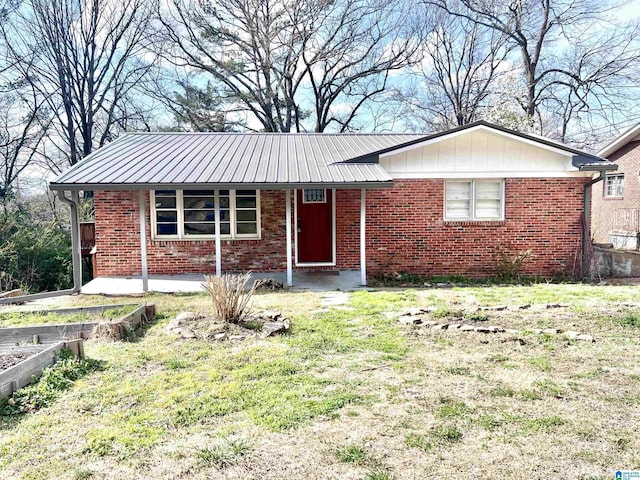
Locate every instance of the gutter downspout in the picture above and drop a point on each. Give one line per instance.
(586, 230)
(76, 257)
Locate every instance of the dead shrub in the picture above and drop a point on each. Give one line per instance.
(508, 263)
(230, 296)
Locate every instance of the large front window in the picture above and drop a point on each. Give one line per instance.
(190, 214)
(474, 200)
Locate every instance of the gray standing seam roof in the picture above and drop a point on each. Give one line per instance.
(258, 160)
(232, 159)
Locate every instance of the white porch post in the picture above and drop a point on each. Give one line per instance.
(216, 206)
(143, 241)
(288, 220)
(363, 254)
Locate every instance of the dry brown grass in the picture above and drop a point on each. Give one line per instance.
(479, 405)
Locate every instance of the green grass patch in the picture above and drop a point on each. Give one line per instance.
(502, 391)
(53, 381)
(631, 319)
(351, 454)
(453, 410)
(542, 362)
(378, 474)
(224, 453)
(20, 319)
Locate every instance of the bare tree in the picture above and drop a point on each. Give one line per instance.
(456, 81)
(288, 61)
(86, 60)
(23, 125)
(542, 31)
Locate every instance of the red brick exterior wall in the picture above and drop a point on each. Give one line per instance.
(603, 209)
(405, 232)
(118, 241)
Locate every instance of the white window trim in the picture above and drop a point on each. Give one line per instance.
(324, 196)
(613, 175)
(472, 207)
(180, 218)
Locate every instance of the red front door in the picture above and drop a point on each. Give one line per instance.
(315, 226)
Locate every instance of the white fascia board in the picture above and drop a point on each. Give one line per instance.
(620, 142)
(518, 138)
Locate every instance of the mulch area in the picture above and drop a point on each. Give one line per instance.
(10, 359)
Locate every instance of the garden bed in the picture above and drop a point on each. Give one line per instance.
(113, 321)
(18, 365)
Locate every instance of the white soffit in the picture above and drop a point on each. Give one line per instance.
(629, 136)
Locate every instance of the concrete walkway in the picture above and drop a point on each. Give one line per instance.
(345, 280)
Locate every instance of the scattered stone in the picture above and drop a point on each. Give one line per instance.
(571, 334)
(417, 311)
(586, 338)
(482, 329)
(537, 331)
(427, 285)
(183, 323)
(430, 323)
(454, 326)
(236, 337)
(554, 305)
(220, 336)
(467, 328)
(441, 326)
(270, 314)
(268, 284)
(497, 308)
(514, 339)
(444, 285)
(512, 331)
(410, 320)
(269, 328)
(525, 306)
(496, 329)
(552, 331)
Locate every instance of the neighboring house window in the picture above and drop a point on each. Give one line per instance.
(614, 185)
(474, 200)
(190, 214)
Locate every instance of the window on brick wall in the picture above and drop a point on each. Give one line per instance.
(614, 186)
(474, 200)
(190, 214)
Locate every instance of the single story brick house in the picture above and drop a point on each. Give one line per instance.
(437, 204)
(616, 203)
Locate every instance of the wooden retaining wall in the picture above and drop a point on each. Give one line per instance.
(36, 334)
(20, 375)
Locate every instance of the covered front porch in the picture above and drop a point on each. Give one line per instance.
(345, 280)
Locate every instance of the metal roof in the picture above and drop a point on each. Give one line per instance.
(260, 160)
(263, 160)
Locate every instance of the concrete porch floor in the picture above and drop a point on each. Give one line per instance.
(314, 281)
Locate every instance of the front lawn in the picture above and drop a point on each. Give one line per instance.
(351, 393)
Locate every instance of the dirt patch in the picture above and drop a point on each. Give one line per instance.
(199, 325)
(8, 360)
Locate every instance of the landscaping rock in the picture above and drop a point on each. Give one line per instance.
(454, 326)
(467, 328)
(430, 323)
(268, 284)
(482, 329)
(586, 338)
(525, 306)
(220, 336)
(498, 308)
(571, 334)
(410, 320)
(496, 329)
(552, 331)
(441, 326)
(269, 328)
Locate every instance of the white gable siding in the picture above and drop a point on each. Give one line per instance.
(478, 154)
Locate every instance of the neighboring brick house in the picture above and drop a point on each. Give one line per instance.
(439, 204)
(616, 200)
